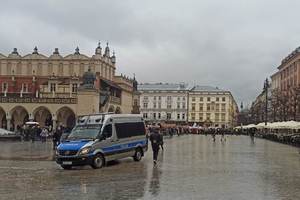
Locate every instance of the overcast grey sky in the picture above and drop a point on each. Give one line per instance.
(232, 44)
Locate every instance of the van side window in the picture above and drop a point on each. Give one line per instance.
(125, 130)
(108, 131)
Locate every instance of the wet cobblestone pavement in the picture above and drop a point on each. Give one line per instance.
(191, 167)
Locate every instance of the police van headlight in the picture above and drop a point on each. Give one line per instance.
(85, 150)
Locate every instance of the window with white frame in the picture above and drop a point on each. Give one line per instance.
(52, 87)
(4, 87)
(74, 87)
(24, 87)
(145, 105)
(169, 106)
(169, 115)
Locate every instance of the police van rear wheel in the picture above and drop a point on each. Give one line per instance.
(67, 167)
(98, 161)
(138, 154)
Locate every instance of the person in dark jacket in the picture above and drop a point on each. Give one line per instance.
(155, 139)
(56, 137)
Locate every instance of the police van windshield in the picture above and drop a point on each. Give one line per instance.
(85, 132)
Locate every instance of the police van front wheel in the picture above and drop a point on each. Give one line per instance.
(98, 161)
(138, 154)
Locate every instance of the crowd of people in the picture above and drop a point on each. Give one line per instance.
(156, 133)
(34, 132)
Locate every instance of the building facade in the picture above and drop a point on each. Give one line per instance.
(180, 103)
(211, 107)
(286, 88)
(163, 102)
(50, 89)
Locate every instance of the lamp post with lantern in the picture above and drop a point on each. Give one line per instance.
(266, 87)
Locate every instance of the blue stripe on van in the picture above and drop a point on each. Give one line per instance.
(124, 146)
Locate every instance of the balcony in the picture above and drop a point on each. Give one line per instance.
(38, 100)
(57, 95)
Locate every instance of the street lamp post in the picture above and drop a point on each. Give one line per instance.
(266, 86)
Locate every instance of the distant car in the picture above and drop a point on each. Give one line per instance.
(8, 135)
(6, 132)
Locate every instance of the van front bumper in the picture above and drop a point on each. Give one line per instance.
(74, 160)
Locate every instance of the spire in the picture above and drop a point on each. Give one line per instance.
(107, 51)
(35, 50)
(77, 51)
(98, 49)
(113, 58)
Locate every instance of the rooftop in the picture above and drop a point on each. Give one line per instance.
(201, 88)
(177, 86)
(163, 86)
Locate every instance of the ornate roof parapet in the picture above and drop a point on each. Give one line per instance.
(290, 56)
(15, 51)
(14, 54)
(56, 52)
(107, 51)
(98, 50)
(35, 50)
(77, 51)
(113, 58)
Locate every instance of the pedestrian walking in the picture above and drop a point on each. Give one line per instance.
(33, 133)
(56, 137)
(44, 135)
(161, 144)
(155, 139)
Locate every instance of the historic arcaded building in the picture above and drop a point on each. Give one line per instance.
(50, 89)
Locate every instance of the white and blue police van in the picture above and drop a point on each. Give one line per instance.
(99, 138)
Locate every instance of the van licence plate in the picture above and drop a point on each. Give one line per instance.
(67, 163)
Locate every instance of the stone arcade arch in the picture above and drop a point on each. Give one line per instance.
(42, 115)
(66, 117)
(2, 118)
(19, 115)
